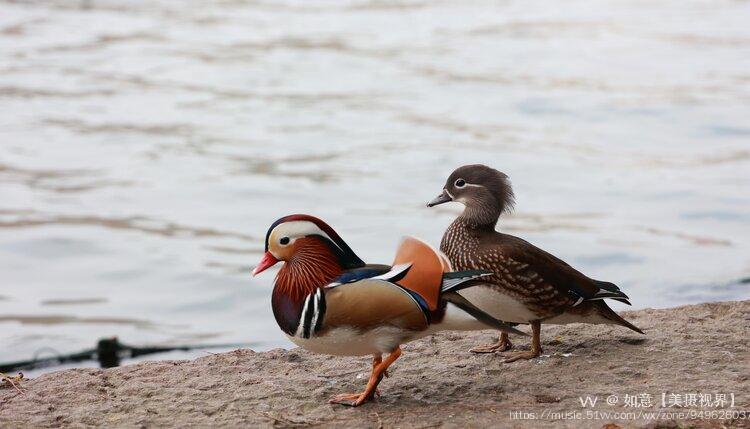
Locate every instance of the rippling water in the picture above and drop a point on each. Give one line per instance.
(145, 147)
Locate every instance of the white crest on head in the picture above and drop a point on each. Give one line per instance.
(297, 229)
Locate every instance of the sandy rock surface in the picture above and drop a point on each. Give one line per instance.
(701, 349)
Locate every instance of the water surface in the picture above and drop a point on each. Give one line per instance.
(145, 147)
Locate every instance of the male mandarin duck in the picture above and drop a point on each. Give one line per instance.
(327, 300)
(528, 285)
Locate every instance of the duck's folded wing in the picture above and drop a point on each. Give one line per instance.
(372, 303)
(552, 282)
(360, 273)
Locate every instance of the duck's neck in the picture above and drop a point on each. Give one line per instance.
(480, 215)
(313, 266)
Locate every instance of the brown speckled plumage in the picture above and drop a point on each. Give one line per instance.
(514, 262)
(545, 285)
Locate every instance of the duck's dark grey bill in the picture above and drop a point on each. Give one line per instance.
(440, 199)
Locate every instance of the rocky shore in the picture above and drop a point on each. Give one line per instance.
(697, 352)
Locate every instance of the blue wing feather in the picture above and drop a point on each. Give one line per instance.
(357, 274)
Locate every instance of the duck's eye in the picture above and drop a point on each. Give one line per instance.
(460, 183)
(284, 241)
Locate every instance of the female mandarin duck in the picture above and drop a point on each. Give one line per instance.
(327, 300)
(529, 285)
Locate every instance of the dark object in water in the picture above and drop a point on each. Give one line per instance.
(108, 352)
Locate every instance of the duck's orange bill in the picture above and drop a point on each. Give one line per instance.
(268, 261)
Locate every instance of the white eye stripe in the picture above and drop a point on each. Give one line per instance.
(297, 229)
(465, 185)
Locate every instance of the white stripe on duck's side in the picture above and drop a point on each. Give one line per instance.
(312, 314)
(318, 302)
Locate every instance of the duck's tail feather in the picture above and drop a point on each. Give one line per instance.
(610, 314)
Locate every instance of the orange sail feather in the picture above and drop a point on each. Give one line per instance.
(426, 273)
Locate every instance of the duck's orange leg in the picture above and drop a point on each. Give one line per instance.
(376, 361)
(379, 368)
(502, 345)
(536, 344)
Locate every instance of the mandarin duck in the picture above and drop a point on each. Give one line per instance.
(327, 300)
(528, 285)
